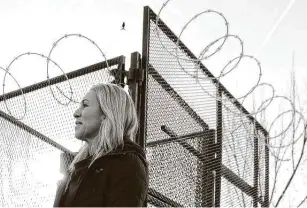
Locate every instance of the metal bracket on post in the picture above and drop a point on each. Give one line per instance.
(135, 74)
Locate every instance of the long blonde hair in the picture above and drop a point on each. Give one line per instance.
(120, 122)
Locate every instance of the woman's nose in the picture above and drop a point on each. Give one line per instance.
(76, 114)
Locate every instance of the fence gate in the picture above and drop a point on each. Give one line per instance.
(195, 157)
(30, 148)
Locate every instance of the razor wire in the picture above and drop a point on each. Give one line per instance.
(263, 106)
(68, 94)
(54, 46)
(202, 56)
(48, 60)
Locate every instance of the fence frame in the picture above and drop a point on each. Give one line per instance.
(221, 170)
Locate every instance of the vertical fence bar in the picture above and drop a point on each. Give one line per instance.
(200, 196)
(267, 187)
(142, 86)
(256, 168)
(132, 79)
(210, 166)
(219, 138)
(205, 167)
(142, 95)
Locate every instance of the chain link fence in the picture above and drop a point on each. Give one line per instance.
(30, 148)
(198, 151)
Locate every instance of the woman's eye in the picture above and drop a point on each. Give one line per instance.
(84, 105)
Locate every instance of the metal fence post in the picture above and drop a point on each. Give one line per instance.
(210, 166)
(132, 78)
(267, 179)
(256, 167)
(205, 166)
(219, 139)
(135, 78)
(142, 93)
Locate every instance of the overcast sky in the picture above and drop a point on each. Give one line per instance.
(271, 30)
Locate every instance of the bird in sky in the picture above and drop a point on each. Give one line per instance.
(123, 26)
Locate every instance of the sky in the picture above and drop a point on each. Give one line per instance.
(274, 31)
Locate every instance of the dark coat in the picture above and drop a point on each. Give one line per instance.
(119, 178)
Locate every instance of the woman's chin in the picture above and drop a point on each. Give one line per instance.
(77, 136)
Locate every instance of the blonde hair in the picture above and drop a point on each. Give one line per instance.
(120, 122)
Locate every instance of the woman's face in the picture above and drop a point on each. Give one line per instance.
(88, 118)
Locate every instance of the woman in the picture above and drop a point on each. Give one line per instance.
(110, 169)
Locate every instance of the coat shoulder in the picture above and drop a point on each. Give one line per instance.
(128, 164)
